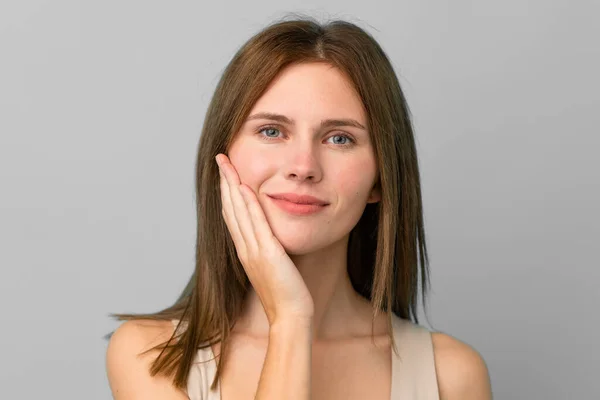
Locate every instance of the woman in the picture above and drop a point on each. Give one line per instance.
(310, 241)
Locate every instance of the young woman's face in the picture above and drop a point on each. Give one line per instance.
(335, 164)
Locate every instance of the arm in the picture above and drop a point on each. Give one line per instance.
(286, 372)
(287, 302)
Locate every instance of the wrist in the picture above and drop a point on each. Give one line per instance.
(291, 325)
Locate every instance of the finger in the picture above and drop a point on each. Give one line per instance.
(229, 214)
(262, 229)
(260, 225)
(240, 210)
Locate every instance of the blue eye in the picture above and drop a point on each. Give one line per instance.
(269, 128)
(343, 137)
(265, 135)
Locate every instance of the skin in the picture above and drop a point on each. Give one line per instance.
(269, 156)
(297, 265)
(336, 164)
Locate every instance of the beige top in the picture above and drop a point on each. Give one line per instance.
(413, 370)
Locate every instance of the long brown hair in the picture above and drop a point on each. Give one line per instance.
(387, 255)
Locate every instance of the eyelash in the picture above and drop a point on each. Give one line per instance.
(267, 138)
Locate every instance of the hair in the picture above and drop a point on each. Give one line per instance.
(387, 255)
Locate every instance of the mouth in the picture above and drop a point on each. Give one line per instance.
(298, 206)
(303, 199)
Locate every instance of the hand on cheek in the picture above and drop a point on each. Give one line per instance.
(271, 272)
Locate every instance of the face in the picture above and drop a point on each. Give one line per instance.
(334, 163)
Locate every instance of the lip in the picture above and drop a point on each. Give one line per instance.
(299, 198)
(298, 204)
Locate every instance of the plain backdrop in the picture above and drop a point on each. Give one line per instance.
(101, 107)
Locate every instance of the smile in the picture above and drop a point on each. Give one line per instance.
(297, 208)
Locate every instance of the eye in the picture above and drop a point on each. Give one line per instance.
(268, 129)
(271, 133)
(346, 140)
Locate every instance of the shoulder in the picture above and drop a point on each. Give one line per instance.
(460, 369)
(128, 370)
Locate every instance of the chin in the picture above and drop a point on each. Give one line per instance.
(305, 244)
(298, 244)
(297, 247)
(301, 237)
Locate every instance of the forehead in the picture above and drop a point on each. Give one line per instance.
(312, 92)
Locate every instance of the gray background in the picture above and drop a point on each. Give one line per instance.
(101, 107)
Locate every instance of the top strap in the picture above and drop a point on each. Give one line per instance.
(413, 369)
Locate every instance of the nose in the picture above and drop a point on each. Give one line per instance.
(302, 163)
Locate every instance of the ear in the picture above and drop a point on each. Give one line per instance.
(375, 195)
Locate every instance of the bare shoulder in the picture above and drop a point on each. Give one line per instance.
(128, 371)
(461, 371)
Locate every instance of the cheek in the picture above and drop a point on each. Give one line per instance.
(355, 181)
(251, 167)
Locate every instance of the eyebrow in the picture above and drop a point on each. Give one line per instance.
(326, 123)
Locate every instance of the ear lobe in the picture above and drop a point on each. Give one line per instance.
(375, 195)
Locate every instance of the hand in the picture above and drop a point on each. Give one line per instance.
(271, 272)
